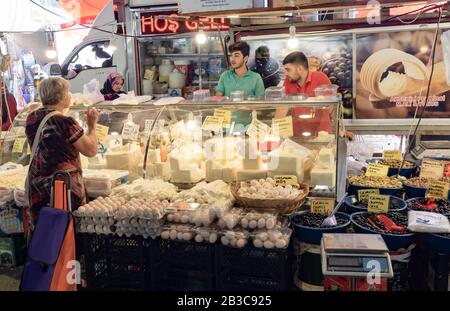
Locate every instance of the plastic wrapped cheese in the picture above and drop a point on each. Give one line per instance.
(101, 182)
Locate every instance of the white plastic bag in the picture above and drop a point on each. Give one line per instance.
(91, 91)
(427, 222)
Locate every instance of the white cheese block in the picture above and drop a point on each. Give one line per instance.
(162, 170)
(242, 175)
(229, 174)
(252, 164)
(323, 177)
(178, 164)
(326, 157)
(250, 149)
(186, 176)
(154, 156)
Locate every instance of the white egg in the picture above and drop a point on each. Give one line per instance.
(280, 243)
(212, 238)
(199, 238)
(252, 190)
(173, 234)
(233, 242)
(254, 183)
(261, 223)
(252, 224)
(184, 219)
(81, 210)
(267, 185)
(262, 181)
(221, 223)
(270, 223)
(98, 228)
(83, 228)
(224, 240)
(176, 217)
(263, 236)
(180, 235)
(258, 243)
(187, 236)
(230, 223)
(268, 244)
(244, 223)
(165, 235)
(241, 243)
(230, 235)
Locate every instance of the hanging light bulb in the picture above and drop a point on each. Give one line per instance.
(293, 41)
(113, 43)
(50, 52)
(201, 37)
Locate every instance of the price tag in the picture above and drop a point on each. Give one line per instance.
(378, 204)
(392, 155)
(225, 114)
(432, 169)
(283, 127)
(102, 132)
(212, 123)
(283, 180)
(258, 129)
(130, 131)
(363, 195)
(437, 189)
(375, 169)
(18, 145)
(322, 206)
(177, 129)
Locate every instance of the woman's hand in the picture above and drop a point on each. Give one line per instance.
(91, 118)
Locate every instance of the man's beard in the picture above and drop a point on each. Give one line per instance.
(297, 80)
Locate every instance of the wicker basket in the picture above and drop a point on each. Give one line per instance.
(283, 206)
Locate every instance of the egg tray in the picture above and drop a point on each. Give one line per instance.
(254, 262)
(283, 206)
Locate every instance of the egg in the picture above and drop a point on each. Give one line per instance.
(187, 236)
(280, 243)
(275, 235)
(254, 183)
(268, 244)
(83, 228)
(267, 185)
(252, 190)
(262, 181)
(212, 238)
(184, 218)
(261, 223)
(198, 238)
(270, 223)
(241, 243)
(81, 210)
(165, 235)
(230, 223)
(224, 240)
(180, 235)
(176, 217)
(233, 242)
(173, 234)
(243, 184)
(244, 223)
(263, 236)
(288, 187)
(258, 243)
(252, 224)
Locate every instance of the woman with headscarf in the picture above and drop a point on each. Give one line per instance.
(113, 85)
(9, 107)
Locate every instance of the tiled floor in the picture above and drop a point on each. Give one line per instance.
(10, 278)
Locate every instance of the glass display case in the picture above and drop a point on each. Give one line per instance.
(225, 140)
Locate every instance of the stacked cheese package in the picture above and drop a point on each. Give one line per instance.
(155, 167)
(324, 170)
(252, 163)
(126, 158)
(222, 158)
(186, 164)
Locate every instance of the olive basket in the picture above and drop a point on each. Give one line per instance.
(284, 206)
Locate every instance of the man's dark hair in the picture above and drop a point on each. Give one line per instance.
(240, 46)
(297, 58)
(262, 50)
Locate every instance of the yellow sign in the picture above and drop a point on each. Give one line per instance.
(212, 123)
(322, 206)
(102, 132)
(225, 114)
(258, 129)
(392, 155)
(283, 180)
(363, 195)
(437, 189)
(378, 204)
(283, 127)
(432, 169)
(18, 145)
(375, 169)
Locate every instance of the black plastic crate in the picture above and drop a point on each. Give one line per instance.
(229, 281)
(127, 249)
(252, 261)
(171, 278)
(438, 272)
(97, 273)
(93, 245)
(188, 254)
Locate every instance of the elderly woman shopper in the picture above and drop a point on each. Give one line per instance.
(59, 145)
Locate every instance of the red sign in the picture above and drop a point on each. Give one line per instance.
(150, 24)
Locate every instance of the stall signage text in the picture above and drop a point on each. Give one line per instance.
(284, 180)
(378, 204)
(438, 189)
(363, 195)
(322, 206)
(375, 169)
(432, 169)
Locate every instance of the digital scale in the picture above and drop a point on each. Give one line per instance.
(432, 149)
(350, 260)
